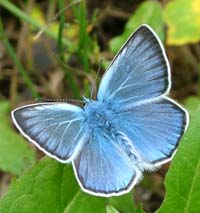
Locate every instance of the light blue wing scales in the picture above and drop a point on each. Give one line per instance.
(140, 71)
(55, 128)
(140, 128)
(154, 128)
(103, 168)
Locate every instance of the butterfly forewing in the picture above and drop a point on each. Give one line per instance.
(139, 72)
(56, 129)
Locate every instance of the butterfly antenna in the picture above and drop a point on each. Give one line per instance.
(57, 100)
(93, 89)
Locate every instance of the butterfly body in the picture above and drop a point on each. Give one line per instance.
(132, 126)
(98, 115)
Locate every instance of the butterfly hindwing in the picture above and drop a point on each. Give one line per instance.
(57, 129)
(103, 167)
(139, 72)
(154, 128)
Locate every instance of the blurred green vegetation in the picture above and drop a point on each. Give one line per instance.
(52, 49)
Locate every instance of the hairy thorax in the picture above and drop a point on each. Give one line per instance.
(98, 115)
(101, 116)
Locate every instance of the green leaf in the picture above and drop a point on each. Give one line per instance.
(183, 20)
(192, 104)
(149, 12)
(139, 209)
(111, 209)
(182, 180)
(49, 187)
(85, 203)
(15, 155)
(123, 203)
(84, 48)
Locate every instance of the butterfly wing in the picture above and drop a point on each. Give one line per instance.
(103, 167)
(135, 86)
(139, 72)
(57, 129)
(154, 129)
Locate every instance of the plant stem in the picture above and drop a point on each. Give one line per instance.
(60, 31)
(16, 61)
(23, 16)
(68, 75)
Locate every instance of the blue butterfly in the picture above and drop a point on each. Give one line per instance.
(132, 126)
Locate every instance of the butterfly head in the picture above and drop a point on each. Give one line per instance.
(86, 101)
